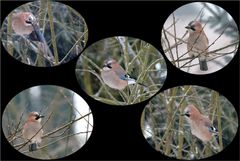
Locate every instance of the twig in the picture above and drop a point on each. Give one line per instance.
(53, 36)
(209, 45)
(67, 136)
(103, 84)
(175, 39)
(73, 47)
(194, 44)
(36, 132)
(168, 43)
(71, 104)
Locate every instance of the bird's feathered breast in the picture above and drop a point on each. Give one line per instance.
(197, 41)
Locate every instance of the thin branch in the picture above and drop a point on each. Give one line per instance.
(36, 132)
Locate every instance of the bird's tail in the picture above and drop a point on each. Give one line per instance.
(32, 147)
(46, 52)
(142, 84)
(203, 64)
(133, 81)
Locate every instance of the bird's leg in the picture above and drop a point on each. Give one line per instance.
(203, 63)
(32, 147)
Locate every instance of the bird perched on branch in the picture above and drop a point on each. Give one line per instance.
(197, 43)
(115, 76)
(32, 131)
(25, 24)
(200, 125)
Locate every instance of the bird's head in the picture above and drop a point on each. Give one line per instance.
(194, 26)
(190, 111)
(35, 116)
(109, 64)
(28, 18)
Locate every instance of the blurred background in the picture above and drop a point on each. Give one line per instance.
(140, 60)
(168, 132)
(63, 27)
(219, 26)
(67, 124)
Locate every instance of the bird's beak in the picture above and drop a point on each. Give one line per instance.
(41, 116)
(188, 27)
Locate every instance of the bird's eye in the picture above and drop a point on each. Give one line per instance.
(192, 28)
(109, 65)
(37, 117)
(187, 114)
(213, 129)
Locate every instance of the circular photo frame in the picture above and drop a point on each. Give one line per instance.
(44, 33)
(121, 70)
(189, 122)
(200, 38)
(47, 122)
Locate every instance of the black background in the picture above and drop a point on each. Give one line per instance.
(117, 133)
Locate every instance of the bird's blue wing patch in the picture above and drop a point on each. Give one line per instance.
(123, 77)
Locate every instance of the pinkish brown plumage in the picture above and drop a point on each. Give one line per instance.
(32, 130)
(200, 125)
(197, 43)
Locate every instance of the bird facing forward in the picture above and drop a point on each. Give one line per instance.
(197, 43)
(32, 131)
(25, 24)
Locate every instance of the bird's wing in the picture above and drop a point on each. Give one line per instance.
(207, 41)
(197, 41)
(209, 125)
(121, 73)
(37, 34)
(124, 76)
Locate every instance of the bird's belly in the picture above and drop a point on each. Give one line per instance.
(31, 131)
(23, 30)
(113, 81)
(197, 48)
(201, 133)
